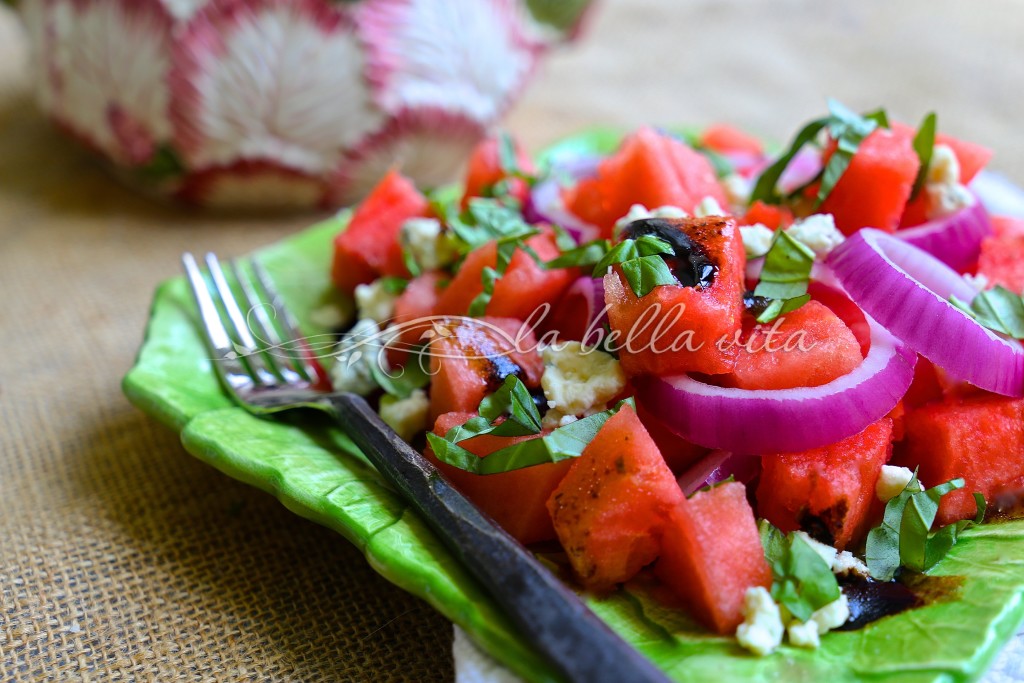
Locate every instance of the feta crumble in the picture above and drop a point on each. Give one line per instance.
(639, 212)
(578, 381)
(946, 195)
(840, 562)
(757, 239)
(818, 232)
(407, 416)
(808, 634)
(737, 191)
(762, 629)
(709, 206)
(427, 243)
(891, 482)
(825, 552)
(978, 283)
(354, 357)
(374, 301)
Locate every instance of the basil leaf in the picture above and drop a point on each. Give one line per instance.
(561, 444)
(924, 145)
(998, 309)
(801, 581)
(904, 537)
(848, 130)
(623, 251)
(647, 272)
(765, 187)
(785, 276)
(514, 400)
(507, 154)
(651, 245)
(584, 256)
(400, 382)
(478, 306)
(393, 285)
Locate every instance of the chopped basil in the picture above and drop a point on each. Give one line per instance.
(393, 285)
(846, 128)
(784, 277)
(802, 581)
(924, 145)
(584, 256)
(647, 272)
(478, 306)
(402, 381)
(904, 537)
(998, 309)
(513, 402)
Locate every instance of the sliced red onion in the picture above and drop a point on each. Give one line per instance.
(955, 239)
(716, 467)
(802, 170)
(1000, 195)
(581, 312)
(545, 202)
(784, 420)
(907, 290)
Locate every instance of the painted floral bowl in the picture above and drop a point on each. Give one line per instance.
(284, 103)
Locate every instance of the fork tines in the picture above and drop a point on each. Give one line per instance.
(260, 347)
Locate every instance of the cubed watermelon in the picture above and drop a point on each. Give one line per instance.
(650, 168)
(470, 358)
(676, 329)
(768, 215)
(826, 491)
(711, 554)
(515, 500)
(611, 508)
(679, 454)
(726, 139)
(876, 186)
(413, 309)
(369, 248)
(807, 347)
(1002, 254)
(980, 439)
(519, 293)
(484, 170)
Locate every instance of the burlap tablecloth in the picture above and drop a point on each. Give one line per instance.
(122, 558)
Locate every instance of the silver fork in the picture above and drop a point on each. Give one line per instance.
(549, 615)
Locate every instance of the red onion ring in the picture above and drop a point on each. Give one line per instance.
(716, 467)
(545, 201)
(907, 291)
(955, 239)
(784, 420)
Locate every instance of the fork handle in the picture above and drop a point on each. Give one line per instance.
(549, 615)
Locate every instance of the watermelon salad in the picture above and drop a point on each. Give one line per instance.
(771, 382)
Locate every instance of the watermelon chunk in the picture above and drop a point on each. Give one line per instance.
(650, 168)
(611, 508)
(1002, 254)
(711, 554)
(519, 293)
(368, 248)
(515, 500)
(768, 215)
(679, 454)
(726, 139)
(826, 491)
(807, 347)
(876, 186)
(484, 171)
(412, 310)
(980, 439)
(470, 358)
(688, 320)
(971, 156)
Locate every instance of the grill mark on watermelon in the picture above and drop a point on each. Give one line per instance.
(820, 526)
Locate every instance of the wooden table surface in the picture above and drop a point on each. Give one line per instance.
(123, 558)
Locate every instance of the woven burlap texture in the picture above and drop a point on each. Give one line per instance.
(122, 558)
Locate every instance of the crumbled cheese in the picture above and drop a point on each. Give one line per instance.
(354, 358)
(329, 316)
(407, 416)
(892, 481)
(825, 552)
(709, 206)
(737, 190)
(762, 629)
(427, 243)
(757, 239)
(375, 302)
(818, 232)
(808, 634)
(978, 283)
(577, 380)
(847, 564)
(946, 195)
(841, 563)
(639, 212)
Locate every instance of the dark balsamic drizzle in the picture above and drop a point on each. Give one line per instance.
(690, 264)
(872, 600)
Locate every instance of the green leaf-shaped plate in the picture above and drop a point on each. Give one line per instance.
(317, 473)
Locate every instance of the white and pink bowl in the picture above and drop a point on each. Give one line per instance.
(283, 103)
